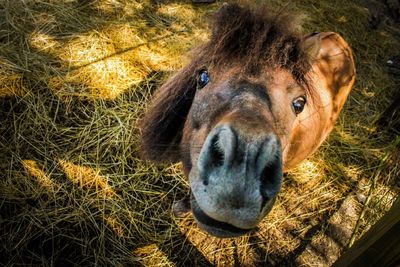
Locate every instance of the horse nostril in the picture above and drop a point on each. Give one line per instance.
(271, 179)
(216, 152)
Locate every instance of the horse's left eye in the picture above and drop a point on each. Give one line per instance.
(298, 104)
(202, 79)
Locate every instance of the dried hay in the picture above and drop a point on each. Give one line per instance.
(75, 79)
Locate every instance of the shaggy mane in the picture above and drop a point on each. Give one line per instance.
(256, 38)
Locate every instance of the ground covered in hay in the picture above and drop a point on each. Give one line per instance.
(75, 78)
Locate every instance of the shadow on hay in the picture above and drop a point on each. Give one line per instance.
(53, 240)
(70, 226)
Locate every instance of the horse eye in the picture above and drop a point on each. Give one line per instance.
(298, 104)
(202, 79)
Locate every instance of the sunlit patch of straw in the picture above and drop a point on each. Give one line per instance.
(219, 252)
(95, 69)
(44, 43)
(151, 255)
(34, 170)
(107, 63)
(178, 11)
(10, 82)
(87, 178)
(308, 172)
(128, 8)
(353, 172)
(106, 79)
(114, 225)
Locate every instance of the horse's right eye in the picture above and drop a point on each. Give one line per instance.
(298, 104)
(202, 79)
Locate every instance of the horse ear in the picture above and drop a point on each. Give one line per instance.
(311, 45)
(161, 128)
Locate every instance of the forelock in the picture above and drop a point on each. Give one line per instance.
(256, 38)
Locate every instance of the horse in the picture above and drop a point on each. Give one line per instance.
(254, 101)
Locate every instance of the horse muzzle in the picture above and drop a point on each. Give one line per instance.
(235, 180)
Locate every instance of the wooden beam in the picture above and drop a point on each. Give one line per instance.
(379, 246)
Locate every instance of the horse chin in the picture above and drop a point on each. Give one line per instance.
(214, 227)
(222, 229)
